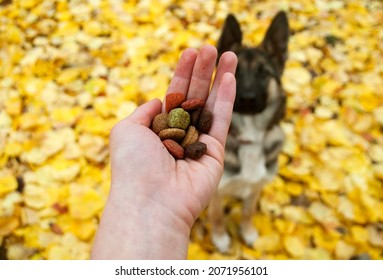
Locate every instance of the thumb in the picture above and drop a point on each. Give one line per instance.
(145, 113)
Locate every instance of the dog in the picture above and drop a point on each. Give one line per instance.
(255, 137)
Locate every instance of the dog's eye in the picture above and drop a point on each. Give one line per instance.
(261, 71)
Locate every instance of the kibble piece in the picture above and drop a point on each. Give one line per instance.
(160, 122)
(173, 100)
(179, 118)
(195, 150)
(190, 137)
(175, 134)
(205, 121)
(194, 116)
(192, 104)
(174, 148)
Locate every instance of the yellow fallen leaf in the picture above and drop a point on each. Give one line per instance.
(297, 214)
(39, 197)
(13, 149)
(86, 205)
(317, 254)
(65, 116)
(329, 179)
(53, 143)
(376, 153)
(13, 106)
(18, 251)
(344, 251)
(195, 252)
(90, 122)
(284, 226)
(294, 246)
(375, 236)
(359, 234)
(93, 147)
(350, 211)
(69, 248)
(357, 163)
(8, 183)
(323, 112)
(297, 76)
(29, 216)
(323, 215)
(8, 225)
(378, 170)
(83, 229)
(264, 223)
(378, 114)
(336, 133)
(309, 137)
(125, 109)
(373, 208)
(268, 243)
(34, 156)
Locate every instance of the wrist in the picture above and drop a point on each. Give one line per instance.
(141, 229)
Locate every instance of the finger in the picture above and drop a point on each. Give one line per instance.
(145, 113)
(223, 107)
(183, 73)
(227, 63)
(202, 73)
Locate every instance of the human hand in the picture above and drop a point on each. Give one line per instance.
(155, 199)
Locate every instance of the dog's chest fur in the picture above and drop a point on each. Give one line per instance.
(252, 150)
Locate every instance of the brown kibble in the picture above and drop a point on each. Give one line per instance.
(173, 100)
(205, 121)
(190, 137)
(175, 134)
(194, 116)
(195, 150)
(192, 104)
(174, 148)
(160, 122)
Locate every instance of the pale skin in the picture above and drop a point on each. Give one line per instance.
(155, 199)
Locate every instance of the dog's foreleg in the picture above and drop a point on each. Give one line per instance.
(248, 231)
(219, 235)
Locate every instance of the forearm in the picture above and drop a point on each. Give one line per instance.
(133, 229)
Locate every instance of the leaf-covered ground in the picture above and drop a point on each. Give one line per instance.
(69, 70)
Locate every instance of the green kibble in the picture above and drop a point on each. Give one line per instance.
(179, 118)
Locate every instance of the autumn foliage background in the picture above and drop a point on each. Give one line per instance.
(69, 70)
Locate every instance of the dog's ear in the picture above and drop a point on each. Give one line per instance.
(276, 40)
(231, 37)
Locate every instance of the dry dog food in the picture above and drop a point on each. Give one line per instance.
(195, 150)
(160, 122)
(190, 137)
(173, 100)
(193, 104)
(178, 118)
(174, 148)
(182, 123)
(175, 134)
(204, 121)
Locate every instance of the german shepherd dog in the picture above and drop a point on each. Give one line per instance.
(255, 137)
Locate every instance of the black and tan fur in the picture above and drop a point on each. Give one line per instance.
(255, 138)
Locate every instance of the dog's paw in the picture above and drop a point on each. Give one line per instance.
(221, 242)
(249, 235)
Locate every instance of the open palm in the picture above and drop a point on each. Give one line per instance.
(148, 183)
